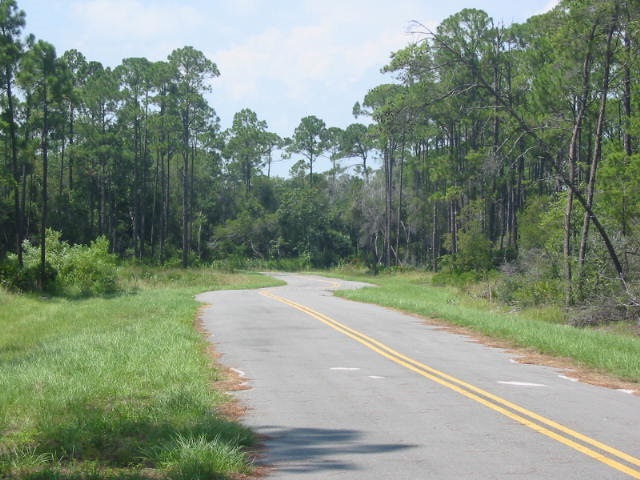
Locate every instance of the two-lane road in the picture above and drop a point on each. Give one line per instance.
(348, 390)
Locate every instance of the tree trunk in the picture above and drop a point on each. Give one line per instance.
(192, 190)
(71, 143)
(566, 244)
(626, 102)
(388, 177)
(597, 151)
(546, 150)
(400, 195)
(14, 166)
(434, 237)
(45, 173)
(185, 210)
(185, 190)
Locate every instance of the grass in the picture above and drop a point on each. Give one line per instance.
(606, 350)
(118, 387)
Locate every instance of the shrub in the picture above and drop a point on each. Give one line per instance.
(90, 270)
(77, 269)
(529, 291)
(456, 279)
(25, 279)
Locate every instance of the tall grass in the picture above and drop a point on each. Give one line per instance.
(93, 388)
(616, 354)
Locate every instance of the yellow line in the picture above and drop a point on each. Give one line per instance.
(491, 401)
(332, 283)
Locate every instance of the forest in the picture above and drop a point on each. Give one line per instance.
(510, 151)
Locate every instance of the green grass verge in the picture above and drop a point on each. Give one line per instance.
(607, 351)
(116, 388)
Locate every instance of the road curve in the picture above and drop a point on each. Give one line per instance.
(346, 390)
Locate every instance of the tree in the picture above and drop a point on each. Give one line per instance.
(247, 143)
(307, 227)
(310, 139)
(12, 21)
(75, 63)
(387, 108)
(136, 82)
(47, 83)
(192, 71)
(165, 127)
(610, 18)
(357, 142)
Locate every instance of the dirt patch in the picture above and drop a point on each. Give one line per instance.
(229, 380)
(528, 356)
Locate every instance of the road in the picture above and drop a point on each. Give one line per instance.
(346, 390)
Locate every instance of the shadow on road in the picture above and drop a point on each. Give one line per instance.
(317, 449)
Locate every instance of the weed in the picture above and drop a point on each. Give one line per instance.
(96, 382)
(539, 329)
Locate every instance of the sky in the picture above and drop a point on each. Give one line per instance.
(284, 59)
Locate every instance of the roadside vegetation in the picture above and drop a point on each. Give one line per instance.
(111, 380)
(116, 386)
(505, 160)
(612, 349)
(488, 147)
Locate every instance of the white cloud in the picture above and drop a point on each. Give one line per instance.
(291, 58)
(133, 19)
(551, 4)
(243, 7)
(331, 50)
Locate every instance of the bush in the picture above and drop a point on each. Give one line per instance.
(90, 270)
(77, 269)
(526, 290)
(456, 279)
(25, 279)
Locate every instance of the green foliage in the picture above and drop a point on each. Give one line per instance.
(248, 145)
(310, 139)
(80, 270)
(474, 252)
(90, 270)
(188, 458)
(463, 163)
(541, 223)
(25, 279)
(246, 236)
(620, 177)
(616, 354)
(307, 229)
(460, 279)
(116, 387)
(522, 291)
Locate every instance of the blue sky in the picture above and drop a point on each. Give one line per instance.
(284, 59)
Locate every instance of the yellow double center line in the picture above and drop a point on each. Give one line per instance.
(588, 446)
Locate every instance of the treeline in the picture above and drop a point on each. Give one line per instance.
(511, 147)
(517, 146)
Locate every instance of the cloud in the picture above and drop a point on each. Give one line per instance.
(328, 49)
(133, 19)
(551, 4)
(110, 30)
(290, 58)
(243, 7)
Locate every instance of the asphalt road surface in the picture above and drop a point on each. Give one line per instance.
(346, 390)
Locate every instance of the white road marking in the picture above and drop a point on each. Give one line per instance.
(347, 369)
(571, 379)
(239, 372)
(624, 390)
(376, 377)
(522, 384)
